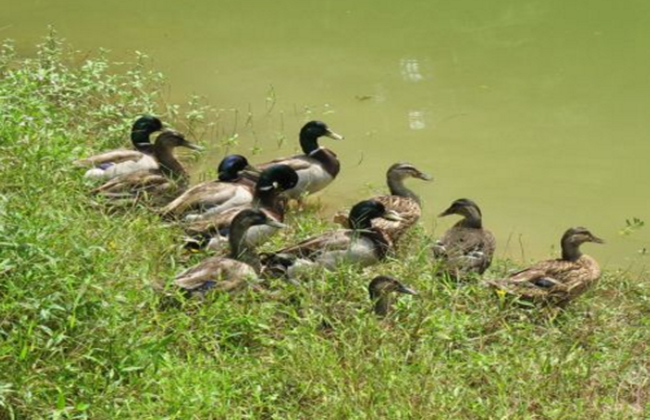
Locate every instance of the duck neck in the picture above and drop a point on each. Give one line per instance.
(169, 165)
(472, 219)
(267, 199)
(308, 143)
(140, 140)
(570, 251)
(240, 250)
(383, 304)
(228, 176)
(397, 187)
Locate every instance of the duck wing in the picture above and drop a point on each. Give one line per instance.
(297, 163)
(150, 185)
(465, 250)
(216, 273)
(337, 240)
(407, 208)
(462, 241)
(552, 281)
(139, 181)
(556, 270)
(113, 156)
(213, 223)
(209, 195)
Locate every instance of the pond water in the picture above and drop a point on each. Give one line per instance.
(537, 110)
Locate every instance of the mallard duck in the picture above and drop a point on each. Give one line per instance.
(382, 290)
(232, 273)
(401, 200)
(363, 244)
(557, 281)
(110, 164)
(161, 183)
(273, 181)
(466, 247)
(317, 166)
(234, 187)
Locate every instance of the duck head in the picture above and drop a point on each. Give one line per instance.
(230, 167)
(573, 238)
(468, 209)
(254, 217)
(396, 175)
(363, 212)
(170, 139)
(381, 288)
(311, 132)
(277, 178)
(405, 170)
(142, 128)
(244, 220)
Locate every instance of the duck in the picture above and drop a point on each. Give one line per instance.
(556, 282)
(382, 290)
(362, 244)
(317, 166)
(108, 165)
(268, 197)
(234, 272)
(160, 183)
(234, 187)
(467, 247)
(401, 200)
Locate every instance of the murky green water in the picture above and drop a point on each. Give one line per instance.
(538, 110)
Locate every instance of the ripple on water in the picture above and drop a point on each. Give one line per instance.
(410, 70)
(416, 120)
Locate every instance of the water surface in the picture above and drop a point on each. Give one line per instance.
(537, 110)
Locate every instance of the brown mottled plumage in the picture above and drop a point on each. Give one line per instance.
(466, 247)
(559, 281)
(233, 273)
(401, 200)
(161, 183)
(111, 157)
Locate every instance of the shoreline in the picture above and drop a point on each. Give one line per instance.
(84, 335)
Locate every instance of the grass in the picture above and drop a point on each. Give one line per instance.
(83, 334)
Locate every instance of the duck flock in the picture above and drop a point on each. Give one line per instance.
(247, 204)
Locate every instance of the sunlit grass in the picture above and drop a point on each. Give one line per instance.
(83, 334)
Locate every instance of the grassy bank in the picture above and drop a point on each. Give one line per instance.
(84, 335)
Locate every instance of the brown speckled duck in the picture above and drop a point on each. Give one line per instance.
(559, 281)
(162, 183)
(467, 247)
(401, 200)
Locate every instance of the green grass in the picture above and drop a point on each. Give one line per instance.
(83, 334)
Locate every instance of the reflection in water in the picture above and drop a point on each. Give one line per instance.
(410, 69)
(416, 120)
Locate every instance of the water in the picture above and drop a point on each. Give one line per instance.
(537, 110)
